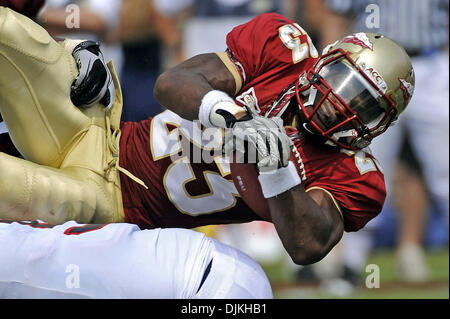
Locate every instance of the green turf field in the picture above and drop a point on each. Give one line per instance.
(389, 285)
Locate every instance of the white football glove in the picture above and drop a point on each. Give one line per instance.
(271, 148)
(263, 139)
(94, 83)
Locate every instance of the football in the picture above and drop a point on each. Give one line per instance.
(245, 179)
(29, 8)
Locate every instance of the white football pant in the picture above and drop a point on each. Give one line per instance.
(121, 261)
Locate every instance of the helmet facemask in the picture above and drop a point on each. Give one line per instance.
(339, 101)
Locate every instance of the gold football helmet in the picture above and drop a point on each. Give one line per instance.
(357, 88)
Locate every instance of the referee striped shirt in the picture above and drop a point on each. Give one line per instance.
(418, 25)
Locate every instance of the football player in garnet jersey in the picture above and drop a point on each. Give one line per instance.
(336, 104)
(332, 106)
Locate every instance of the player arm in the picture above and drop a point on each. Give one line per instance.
(309, 224)
(182, 88)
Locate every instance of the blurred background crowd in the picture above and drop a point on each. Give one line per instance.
(145, 37)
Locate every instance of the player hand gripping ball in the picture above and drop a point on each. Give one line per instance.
(264, 141)
(275, 172)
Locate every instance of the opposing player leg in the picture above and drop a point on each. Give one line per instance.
(234, 275)
(99, 261)
(35, 80)
(121, 261)
(30, 191)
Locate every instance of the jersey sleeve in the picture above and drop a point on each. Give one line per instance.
(363, 203)
(256, 47)
(358, 193)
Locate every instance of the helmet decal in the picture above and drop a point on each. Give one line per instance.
(249, 99)
(407, 89)
(376, 78)
(360, 39)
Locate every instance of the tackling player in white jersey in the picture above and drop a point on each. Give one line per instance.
(122, 261)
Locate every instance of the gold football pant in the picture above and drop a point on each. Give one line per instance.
(70, 171)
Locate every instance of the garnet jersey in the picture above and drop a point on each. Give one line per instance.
(266, 56)
(190, 183)
(187, 186)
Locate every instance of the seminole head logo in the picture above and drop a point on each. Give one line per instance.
(360, 39)
(407, 89)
